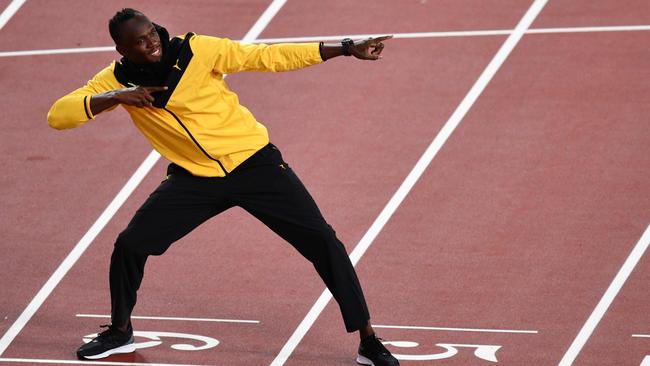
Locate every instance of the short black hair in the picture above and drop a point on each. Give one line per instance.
(119, 18)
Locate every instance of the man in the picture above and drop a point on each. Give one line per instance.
(220, 157)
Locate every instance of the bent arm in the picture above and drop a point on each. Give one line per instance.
(76, 108)
(70, 111)
(103, 101)
(137, 96)
(100, 94)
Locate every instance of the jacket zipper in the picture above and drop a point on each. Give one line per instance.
(225, 172)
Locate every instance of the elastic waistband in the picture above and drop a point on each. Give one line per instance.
(256, 159)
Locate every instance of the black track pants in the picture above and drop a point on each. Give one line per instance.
(266, 187)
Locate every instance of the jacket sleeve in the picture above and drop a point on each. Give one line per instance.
(73, 109)
(225, 56)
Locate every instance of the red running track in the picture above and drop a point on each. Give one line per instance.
(520, 222)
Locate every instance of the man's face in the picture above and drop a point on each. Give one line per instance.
(139, 42)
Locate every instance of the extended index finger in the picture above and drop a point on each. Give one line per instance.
(382, 38)
(153, 89)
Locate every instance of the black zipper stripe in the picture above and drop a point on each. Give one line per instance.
(196, 142)
(86, 108)
(183, 58)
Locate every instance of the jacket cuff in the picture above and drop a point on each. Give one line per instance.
(89, 112)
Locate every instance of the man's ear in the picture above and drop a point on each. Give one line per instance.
(120, 50)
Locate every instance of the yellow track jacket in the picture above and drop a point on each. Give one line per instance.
(199, 123)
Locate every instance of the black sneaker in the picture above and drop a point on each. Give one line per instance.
(373, 353)
(108, 342)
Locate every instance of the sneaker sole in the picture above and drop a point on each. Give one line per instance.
(127, 348)
(361, 360)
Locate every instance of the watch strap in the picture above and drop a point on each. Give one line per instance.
(346, 45)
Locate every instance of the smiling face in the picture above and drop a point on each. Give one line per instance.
(139, 42)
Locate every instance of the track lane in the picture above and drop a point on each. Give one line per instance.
(588, 13)
(84, 23)
(619, 334)
(24, 148)
(313, 17)
(50, 199)
(527, 214)
(343, 209)
(323, 158)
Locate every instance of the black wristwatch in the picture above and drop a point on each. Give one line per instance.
(346, 44)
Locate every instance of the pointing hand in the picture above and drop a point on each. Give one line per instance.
(139, 96)
(362, 48)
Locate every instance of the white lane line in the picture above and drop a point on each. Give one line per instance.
(641, 335)
(263, 21)
(56, 51)
(416, 172)
(78, 250)
(478, 33)
(478, 330)
(271, 40)
(496, 32)
(93, 362)
(112, 208)
(607, 299)
(174, 318)
(9, 11)
(621, 28)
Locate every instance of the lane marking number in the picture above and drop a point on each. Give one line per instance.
(485, 352)
(154, 340)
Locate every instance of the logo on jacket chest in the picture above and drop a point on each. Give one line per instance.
(176, 66)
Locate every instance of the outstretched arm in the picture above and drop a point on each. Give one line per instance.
(365, 49)
(224, 56)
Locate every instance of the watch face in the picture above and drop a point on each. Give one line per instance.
(346, 44)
